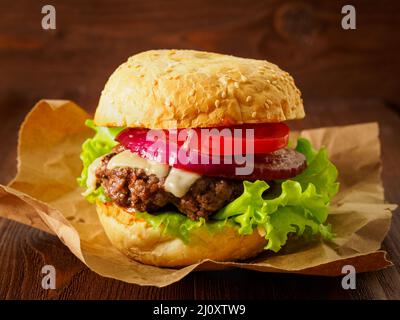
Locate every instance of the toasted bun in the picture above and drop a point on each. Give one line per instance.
(188, 89)
(140, 241)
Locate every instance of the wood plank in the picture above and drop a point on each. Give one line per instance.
(93, 37)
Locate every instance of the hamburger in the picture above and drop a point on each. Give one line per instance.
(191, 160)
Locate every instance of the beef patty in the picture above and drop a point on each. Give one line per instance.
(133, 188)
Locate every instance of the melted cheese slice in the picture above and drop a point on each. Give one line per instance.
(129, 159)
(91, 178)
(179, 181)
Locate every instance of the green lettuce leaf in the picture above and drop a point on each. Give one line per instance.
(100, 144)
(301, 206)
(178, 225)
(320, 171)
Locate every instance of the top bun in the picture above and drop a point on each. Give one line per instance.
(187, 89)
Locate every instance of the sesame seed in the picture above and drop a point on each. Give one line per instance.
(254, 114)
(269, 102)
(266, 105)
(217, 103)
(223, 80)
(248, 99)
(269, 81)
(236, 85)
(243, 78)
(223, 95)
(274, 82)
(192, 92)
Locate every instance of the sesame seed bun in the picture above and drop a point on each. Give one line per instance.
(187, 89)
(138, 240)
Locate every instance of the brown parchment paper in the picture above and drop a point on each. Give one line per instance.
(45, 195)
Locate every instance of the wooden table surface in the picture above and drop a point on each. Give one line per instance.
(346, 77)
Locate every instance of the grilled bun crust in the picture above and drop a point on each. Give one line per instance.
(188, 89)
(140, 241)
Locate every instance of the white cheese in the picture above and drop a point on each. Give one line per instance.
(179, 181)
(131, 160)
(91, 179)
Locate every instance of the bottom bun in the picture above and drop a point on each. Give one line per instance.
(140, 241)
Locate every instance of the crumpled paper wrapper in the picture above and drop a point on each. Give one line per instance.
(44, 194)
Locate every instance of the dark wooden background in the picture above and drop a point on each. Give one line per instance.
(345, 76)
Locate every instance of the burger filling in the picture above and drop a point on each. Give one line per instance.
(288, 192)
(142, 185)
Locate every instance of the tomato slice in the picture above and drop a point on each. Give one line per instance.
(165, 146)
(241, 139)
(216, 142)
